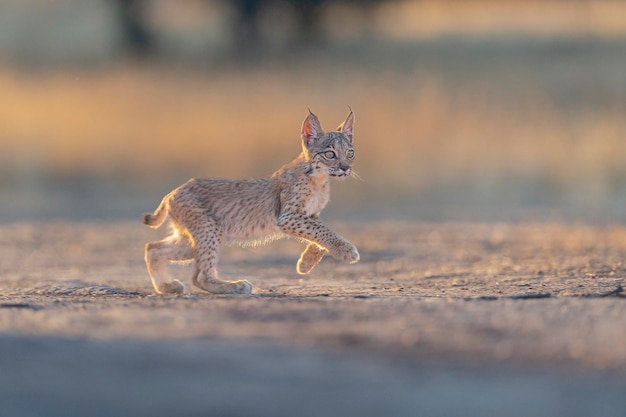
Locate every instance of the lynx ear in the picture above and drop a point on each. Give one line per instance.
(311, 130)
(346, 126)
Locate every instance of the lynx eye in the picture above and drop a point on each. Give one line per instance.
(329, 155)
(350, 154)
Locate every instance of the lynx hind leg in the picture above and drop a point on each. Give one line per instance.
(207, 237)
(173, 248)
(207, 280)
(311, 256)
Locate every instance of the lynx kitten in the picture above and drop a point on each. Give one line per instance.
(207, 212)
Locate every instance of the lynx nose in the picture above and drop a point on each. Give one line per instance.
(345, 168)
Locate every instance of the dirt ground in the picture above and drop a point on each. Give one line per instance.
(436, 319)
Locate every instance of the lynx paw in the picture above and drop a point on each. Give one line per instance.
(242, 287)
(311, 256)
(304, 267)
(174, 287)
(354, 256)
(349, 253)
(217, 286)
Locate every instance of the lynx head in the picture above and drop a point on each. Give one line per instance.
(328, 153)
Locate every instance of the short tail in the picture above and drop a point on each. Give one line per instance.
(157, 218)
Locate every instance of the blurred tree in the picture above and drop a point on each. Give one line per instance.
(139, 40)
(136, 33)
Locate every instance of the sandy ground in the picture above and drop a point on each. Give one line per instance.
(436, 319)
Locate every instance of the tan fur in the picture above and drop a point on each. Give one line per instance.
(205, 213)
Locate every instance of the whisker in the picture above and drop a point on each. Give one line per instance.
(355, 175)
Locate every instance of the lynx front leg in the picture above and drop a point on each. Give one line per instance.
(314, 231)
(158, 254)
(311, 256)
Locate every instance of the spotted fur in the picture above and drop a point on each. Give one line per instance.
(205, 213)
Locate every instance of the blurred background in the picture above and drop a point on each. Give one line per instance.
(465, 110)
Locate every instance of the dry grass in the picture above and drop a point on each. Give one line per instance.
(413, 133)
